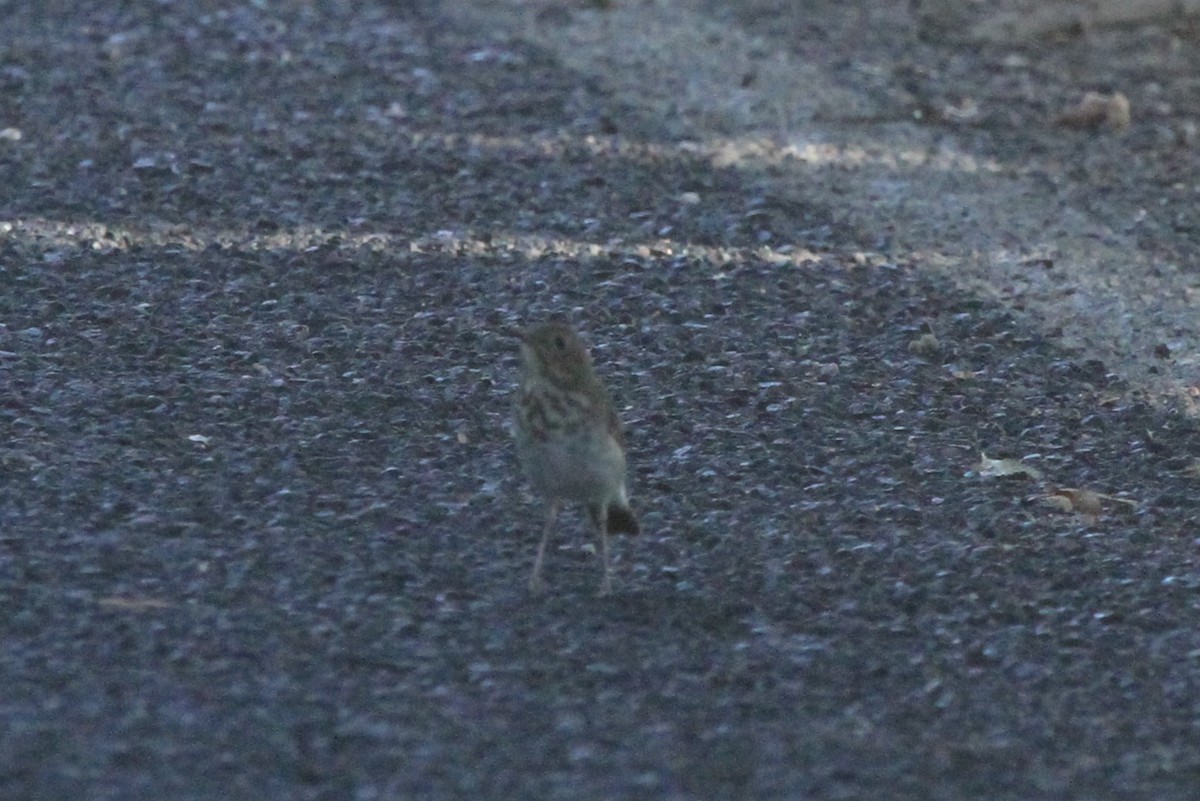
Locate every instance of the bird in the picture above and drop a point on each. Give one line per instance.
(569, 439)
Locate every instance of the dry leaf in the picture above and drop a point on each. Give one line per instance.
(1088, 113)
(1000, 468)
(1083, 501)
(1117, 115)
(1060, 502)
(1095, 110)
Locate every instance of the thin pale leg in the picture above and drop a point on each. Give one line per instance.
(606, 581)
(535, 579)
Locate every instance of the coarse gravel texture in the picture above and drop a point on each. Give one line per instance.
(910, 138)
(261, 529)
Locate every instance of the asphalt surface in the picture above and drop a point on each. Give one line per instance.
(261, 529)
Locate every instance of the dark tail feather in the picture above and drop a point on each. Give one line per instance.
(621, 519)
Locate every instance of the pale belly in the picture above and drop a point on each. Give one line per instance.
(587, 467)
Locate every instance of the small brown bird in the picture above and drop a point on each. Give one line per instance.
(569, 439)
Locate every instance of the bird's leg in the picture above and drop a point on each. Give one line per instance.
(535, 578)
(602, 522)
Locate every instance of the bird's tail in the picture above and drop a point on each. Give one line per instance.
(621, 519)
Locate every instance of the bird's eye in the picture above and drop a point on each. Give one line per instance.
(560, 343)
